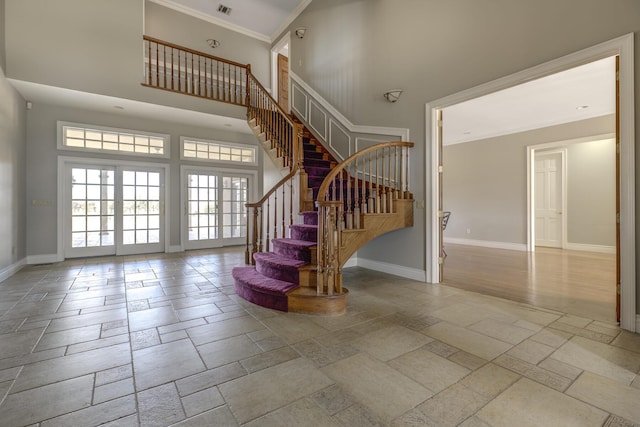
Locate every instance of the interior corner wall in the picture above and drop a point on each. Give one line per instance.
(42, 164)
(591, 196)
(485, 182)
(3, 59)
(12, 175)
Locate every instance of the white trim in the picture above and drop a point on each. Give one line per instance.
(174, 248)
(275, 51)
(206, 17)
(64, 160)
(351, 262)
(590, 248)
(86, 126)
(43, 259)
(320, 133)
(296, 12)
(395, 269)
(225, 144)
(338, 126)
(531, 152)
(622, 46)
(294, 90)
(252, 174)
(487, 244)
(12, 269)
(403, 133)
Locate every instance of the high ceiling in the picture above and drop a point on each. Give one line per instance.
(576, 94)
(263, 19)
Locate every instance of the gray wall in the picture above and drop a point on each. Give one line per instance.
(591, 196)
(96, 46)
(12, 175)
(485, 182)
(42, 164)
(3, 62)
(354, 50)
(166, 24)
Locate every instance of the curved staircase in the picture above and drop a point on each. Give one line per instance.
(298, 264)
(285, 279)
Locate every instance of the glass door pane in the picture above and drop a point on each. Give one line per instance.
(142, 219)
(91, 211)
(234, 213)
(202, 210)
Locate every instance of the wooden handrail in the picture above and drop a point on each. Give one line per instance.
(335, 171)
(361, 184)
(195, 52)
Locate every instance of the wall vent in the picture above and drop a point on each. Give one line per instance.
(224, 9)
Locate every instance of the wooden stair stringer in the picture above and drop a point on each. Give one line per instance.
(374, 225)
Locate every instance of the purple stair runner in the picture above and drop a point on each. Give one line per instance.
(276, 273)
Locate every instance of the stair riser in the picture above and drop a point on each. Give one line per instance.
(276, 302)
(301, 254)
(310, 235)
(277, 272)
(310, 218)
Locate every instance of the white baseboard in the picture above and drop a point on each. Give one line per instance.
(351, 262)
(591, 248)
(44, 259)
(486, 244)
(12, 269)
(395, 269)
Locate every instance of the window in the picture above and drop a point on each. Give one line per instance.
(213, 151)
(74, 136)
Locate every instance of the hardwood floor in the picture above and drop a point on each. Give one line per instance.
(575, 282)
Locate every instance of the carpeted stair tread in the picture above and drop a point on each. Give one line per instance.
(252, 286)
(278, 267)
(310, 217)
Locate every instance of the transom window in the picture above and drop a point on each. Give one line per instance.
(93, 138)
(214, 151)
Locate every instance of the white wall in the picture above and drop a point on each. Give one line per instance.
(485, 183)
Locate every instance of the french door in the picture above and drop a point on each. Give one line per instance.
(113, 210)
(214, 208)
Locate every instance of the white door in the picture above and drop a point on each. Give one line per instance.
(112, 210)
(548, 199)
(215, 208)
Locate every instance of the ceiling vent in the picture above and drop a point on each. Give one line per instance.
(224, 9)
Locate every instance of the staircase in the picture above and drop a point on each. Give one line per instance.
(296, 264)
(286, 279)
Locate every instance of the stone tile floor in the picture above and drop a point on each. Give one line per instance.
(162, 340)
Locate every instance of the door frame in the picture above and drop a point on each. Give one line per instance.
(186, 169)
(623, 47)
(275, 50)
(63, 161)
(531, 208)
(531, 152)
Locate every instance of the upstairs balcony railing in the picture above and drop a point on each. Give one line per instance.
(179, 69)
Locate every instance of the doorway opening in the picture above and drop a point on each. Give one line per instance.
(280, 69)
(622, 48)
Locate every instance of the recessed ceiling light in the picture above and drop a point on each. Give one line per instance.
(582, 107)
